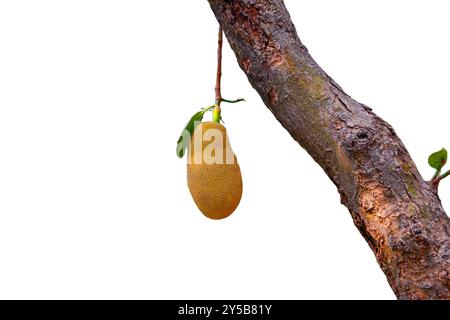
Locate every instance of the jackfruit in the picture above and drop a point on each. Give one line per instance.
(213, 173)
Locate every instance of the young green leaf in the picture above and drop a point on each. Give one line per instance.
(438, 159)
(188, 130)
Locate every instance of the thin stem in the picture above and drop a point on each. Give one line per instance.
(204, 110)
(436, 181)
(436, 174)
(219, 67)
(216, 111)
(232, 101)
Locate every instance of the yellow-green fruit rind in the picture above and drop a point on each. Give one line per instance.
(216, 188)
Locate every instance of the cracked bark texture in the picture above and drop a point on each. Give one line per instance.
(395, 209)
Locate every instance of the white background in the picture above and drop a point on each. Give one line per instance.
(93, 200)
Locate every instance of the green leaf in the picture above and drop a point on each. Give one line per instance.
(438, 159)
(188, 131)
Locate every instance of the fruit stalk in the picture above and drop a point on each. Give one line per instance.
(216, 111)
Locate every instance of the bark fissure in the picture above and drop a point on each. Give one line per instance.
(395, 209)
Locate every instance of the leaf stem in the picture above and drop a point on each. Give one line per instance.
(438, 179)
(436, 174)
(232, 101)
(208, 108)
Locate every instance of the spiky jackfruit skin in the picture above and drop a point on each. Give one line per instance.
(213, 173)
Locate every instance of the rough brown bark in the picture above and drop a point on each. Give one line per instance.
(394, 208)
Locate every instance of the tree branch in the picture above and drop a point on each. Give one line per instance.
(394, 208)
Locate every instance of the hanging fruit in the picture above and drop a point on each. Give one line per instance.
(213, 173)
